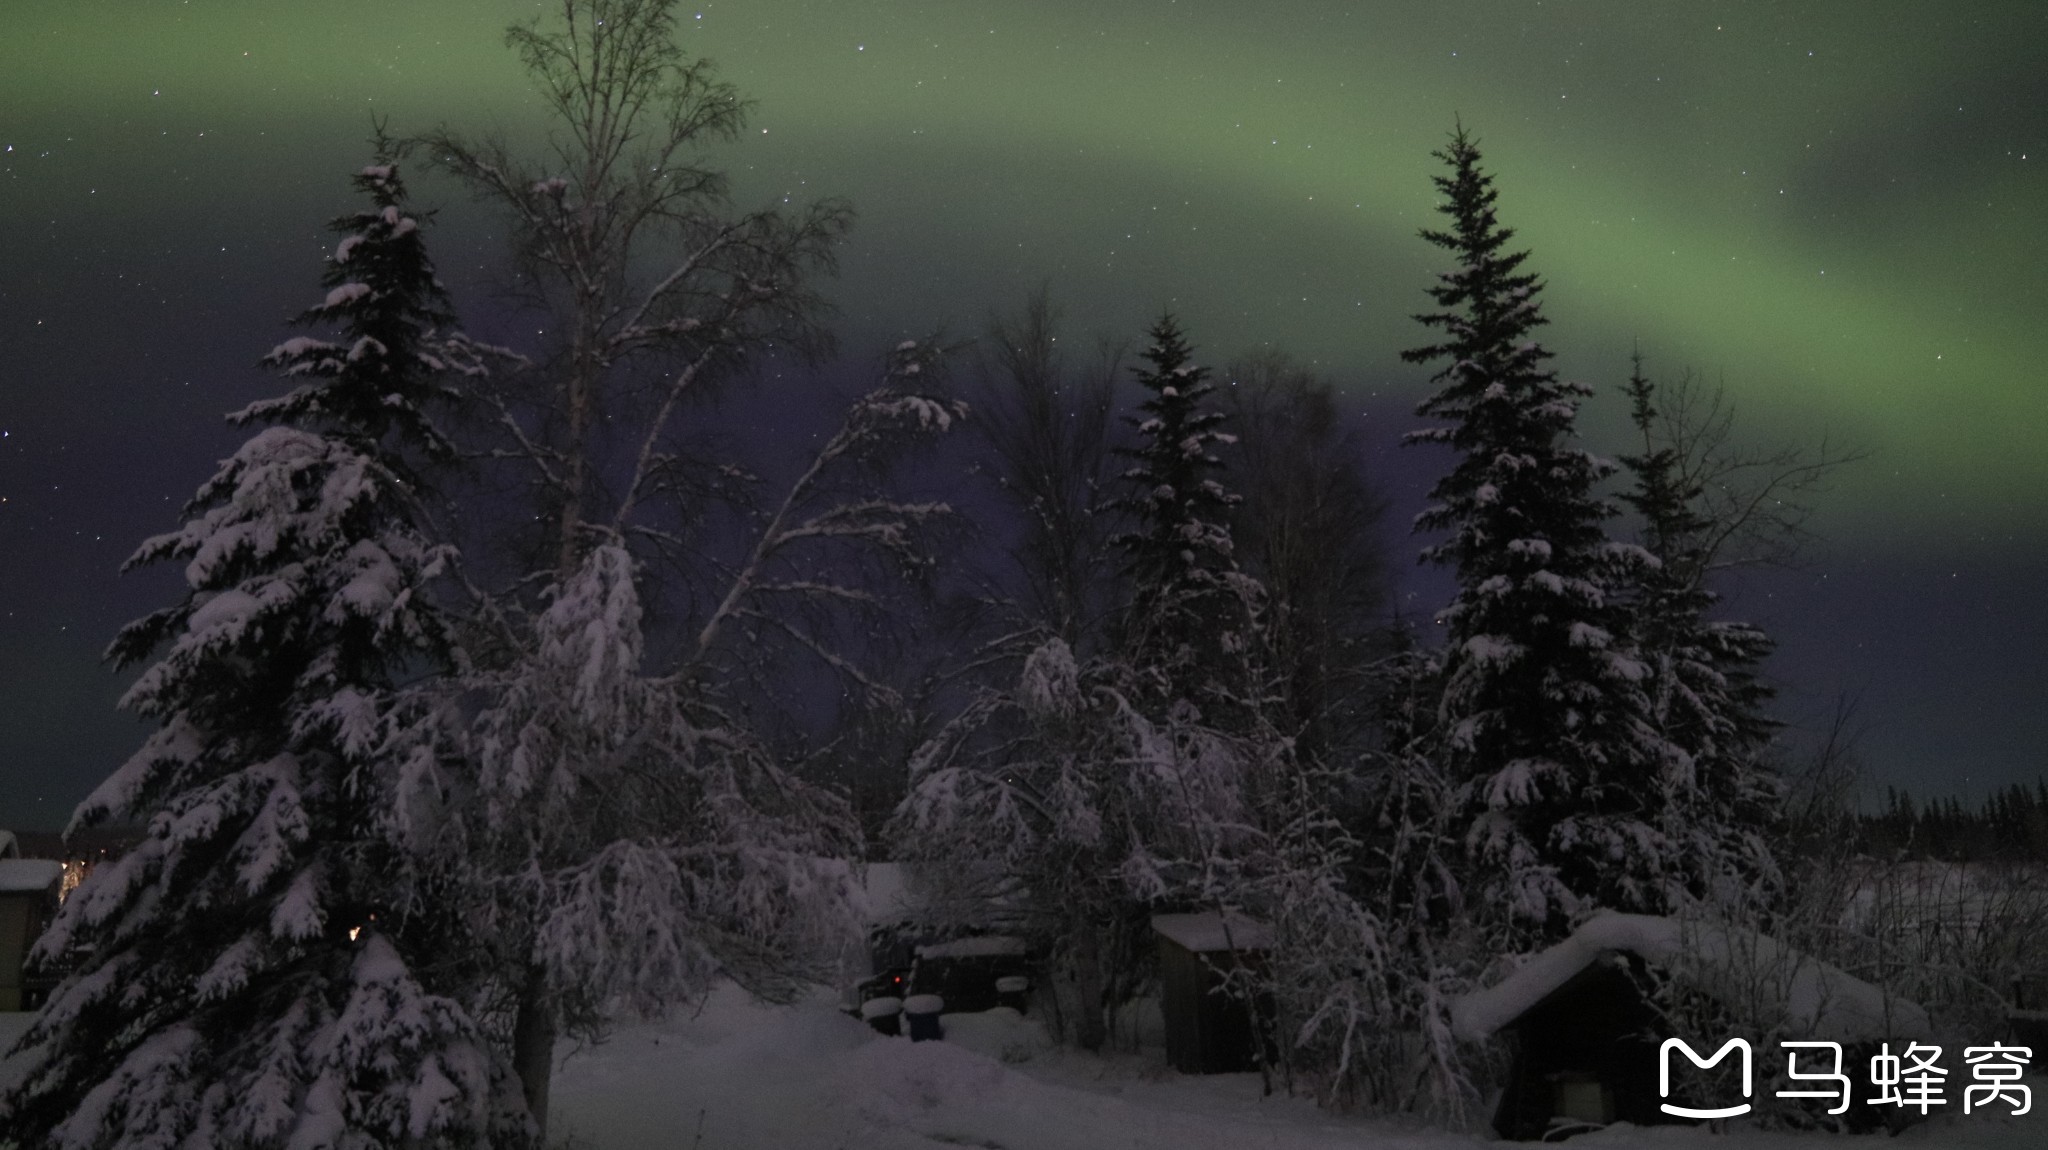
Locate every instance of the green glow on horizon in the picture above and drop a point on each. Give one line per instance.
(989, 147)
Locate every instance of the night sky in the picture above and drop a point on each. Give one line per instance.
(1838, 210)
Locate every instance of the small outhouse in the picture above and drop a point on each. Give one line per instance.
(1209, 1030)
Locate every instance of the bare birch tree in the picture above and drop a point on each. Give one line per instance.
(1048, 426)
(593, 797)
(1755, 502)
(1309, 529)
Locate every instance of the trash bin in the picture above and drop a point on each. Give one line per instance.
(885, 1014)
(923, 1012)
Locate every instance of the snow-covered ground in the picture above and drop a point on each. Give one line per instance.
(809, 1078)
(738, 1076)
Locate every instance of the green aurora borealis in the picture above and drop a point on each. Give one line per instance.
(1826, 205)
(1838, 209)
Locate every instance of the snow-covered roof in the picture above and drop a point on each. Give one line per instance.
(1731, 965)
(1205, 933)
(18, 875)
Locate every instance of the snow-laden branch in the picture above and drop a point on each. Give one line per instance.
(885, 523)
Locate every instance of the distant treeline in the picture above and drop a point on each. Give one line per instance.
(2010, 825)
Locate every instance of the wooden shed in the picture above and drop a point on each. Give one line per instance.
(28, 899)
(1585, 1037)
(1207, 1030)
(1584, 1053)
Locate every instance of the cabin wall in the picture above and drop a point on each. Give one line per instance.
(1594, 1031)
(21, 920)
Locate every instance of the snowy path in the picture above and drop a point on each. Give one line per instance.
(809, 1078)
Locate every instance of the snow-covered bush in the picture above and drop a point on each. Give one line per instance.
(1094, 812)
(607, 826)
(613, 834)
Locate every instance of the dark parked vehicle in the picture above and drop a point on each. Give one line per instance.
(966, 974)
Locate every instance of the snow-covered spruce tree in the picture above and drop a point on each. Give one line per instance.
(245, 979)
(1192, 650)
(1705, 695)
(1189, 629)
(1541, 718)
(400, 348)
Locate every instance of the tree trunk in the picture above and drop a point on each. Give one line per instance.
(580, 399)
(1089, 1029)
(533, 1047)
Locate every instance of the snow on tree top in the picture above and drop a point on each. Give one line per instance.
(1731, 965)
(1209, 932)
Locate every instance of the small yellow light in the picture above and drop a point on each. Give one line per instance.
(353, 932)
